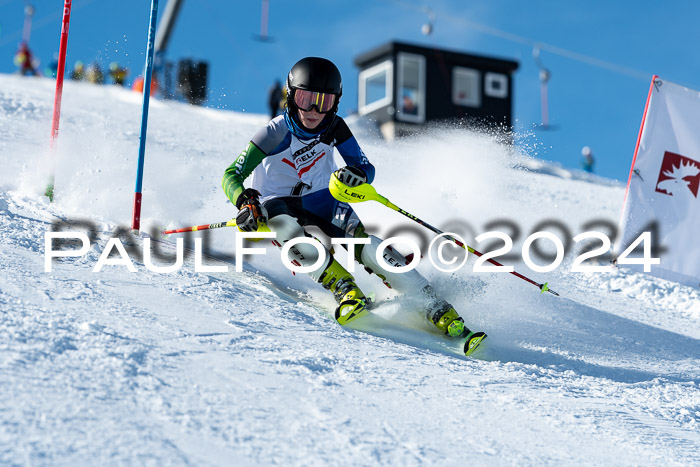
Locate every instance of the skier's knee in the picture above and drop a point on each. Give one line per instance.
(286, 227)
(403, 282)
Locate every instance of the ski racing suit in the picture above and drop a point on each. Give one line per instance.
(291, 168)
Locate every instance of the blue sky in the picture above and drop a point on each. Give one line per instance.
(608, 52)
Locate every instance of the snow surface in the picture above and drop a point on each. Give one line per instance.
(249, 368)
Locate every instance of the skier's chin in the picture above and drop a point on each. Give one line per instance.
(310, 121)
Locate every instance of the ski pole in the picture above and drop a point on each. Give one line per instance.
(195, 228)
(366, 192)
(216, 225)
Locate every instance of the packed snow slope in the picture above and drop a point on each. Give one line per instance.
(249, 368)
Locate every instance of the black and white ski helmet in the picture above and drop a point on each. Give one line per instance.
(314, 74)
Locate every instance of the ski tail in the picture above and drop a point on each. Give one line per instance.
(473, 341)
(350, 310)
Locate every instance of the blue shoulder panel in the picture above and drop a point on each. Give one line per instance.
(352, 155)
(284, 144)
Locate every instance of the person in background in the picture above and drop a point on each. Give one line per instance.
(409, 105)
(118, 74)
(94, 74)
(52, 68)
(25, 61)
(587, 161)
(283, 102)
(137, 85)
(78, 73)
(274, 99)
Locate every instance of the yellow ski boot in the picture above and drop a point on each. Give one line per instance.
(352, 303)
(446, 319)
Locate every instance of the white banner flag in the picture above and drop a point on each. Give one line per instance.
(662, 190)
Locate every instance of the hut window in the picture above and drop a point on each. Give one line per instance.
(496, 85)
(410, 99)
(466, 87)
(375, 87)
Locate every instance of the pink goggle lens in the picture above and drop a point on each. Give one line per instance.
(305, 100)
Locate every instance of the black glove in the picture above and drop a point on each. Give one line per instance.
(351, 176)
(251, 213)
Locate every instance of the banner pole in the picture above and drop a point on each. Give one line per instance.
(60, 71)
(136, 218)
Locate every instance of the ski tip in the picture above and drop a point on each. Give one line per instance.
(473, 342)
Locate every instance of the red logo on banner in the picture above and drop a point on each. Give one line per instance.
(679, 175)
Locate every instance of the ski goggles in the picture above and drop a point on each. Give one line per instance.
(305, 100)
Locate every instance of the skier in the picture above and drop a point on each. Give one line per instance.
(291, 162)
(24, 60)
(274, 99)
(118, 74)
(94, 74)
(78, 73)
(52, 68)
(587, 161)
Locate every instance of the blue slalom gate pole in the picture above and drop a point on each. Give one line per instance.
(136, 218)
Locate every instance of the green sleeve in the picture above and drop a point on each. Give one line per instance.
(243, 166)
